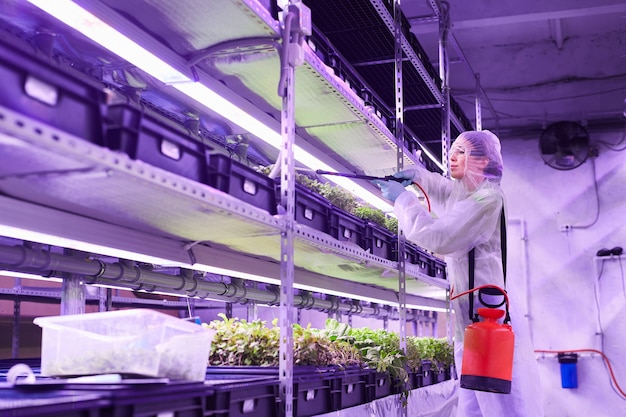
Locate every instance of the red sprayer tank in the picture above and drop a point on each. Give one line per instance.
(488, 354)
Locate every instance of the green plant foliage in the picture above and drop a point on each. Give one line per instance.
(437, 350)
(342, 199)
(370, 213)
(391, 223)
(307, 181)
(338, 197)
(380, 350)
(242, 343)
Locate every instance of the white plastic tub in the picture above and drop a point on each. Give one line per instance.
(136, 342)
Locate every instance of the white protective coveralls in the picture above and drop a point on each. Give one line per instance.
(469, 217)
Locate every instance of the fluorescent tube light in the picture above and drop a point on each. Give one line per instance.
(364, 298)
(429, 308)
(236, 274)
(95, 29)
(23, 275)
(54, 240)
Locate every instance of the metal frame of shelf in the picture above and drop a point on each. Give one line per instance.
(109, 204)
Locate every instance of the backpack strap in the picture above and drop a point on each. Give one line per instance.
(472, 264)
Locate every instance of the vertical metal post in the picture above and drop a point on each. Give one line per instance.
(229, 310)
(72, 295)
(290, 38)
(479, 120)
(15, 340)
(444, 27)
(398, 54)
(450, 325)
(109, 305)
(102, 299)
(72, 292)
(253, 311)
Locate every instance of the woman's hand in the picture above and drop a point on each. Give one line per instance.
(406, 176)
(390, 189)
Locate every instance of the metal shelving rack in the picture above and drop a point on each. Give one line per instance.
(103, 202)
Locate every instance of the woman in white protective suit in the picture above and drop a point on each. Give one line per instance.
(469, 207)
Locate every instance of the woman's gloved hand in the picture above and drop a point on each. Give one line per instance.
(390, 189)
(406, 176)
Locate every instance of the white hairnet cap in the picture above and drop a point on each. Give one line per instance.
(485, 143)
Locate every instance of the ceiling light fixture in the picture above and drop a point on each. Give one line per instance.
(97, 30)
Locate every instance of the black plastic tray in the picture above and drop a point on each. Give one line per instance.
(239, 396)
(242, 182)
(353, 387)
(147, 137)
(347, 227)
(49, 403)
(57, 95)
(379, 241)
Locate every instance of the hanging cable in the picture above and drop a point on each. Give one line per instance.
(595, 186)
(614, 146)
(597, 300)
(284, 54)
(614, 382)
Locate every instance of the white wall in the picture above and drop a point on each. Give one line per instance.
(561, 272)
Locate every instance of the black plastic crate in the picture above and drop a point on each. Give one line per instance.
(428, 372)
(383, 386)
(410, 251)
(347, 227)
(16, 402)
(144, 397)
(379, 241)
(242, 182)
(232, 397)
(49, 92)
(416, 379)
(352, 387)
(313, 388)
(439, 376)
(311, 209)
(177, 399)
(313, 396)
(437, 267)
(423, 260)
(150, 138)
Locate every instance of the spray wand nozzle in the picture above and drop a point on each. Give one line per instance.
(370, 178)
(359, 176)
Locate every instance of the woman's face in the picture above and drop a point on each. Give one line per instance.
(463, 163)
(459, 154)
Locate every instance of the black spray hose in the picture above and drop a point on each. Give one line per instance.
(370, 178)
(360, 177)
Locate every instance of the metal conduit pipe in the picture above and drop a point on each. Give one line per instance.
(125, 274)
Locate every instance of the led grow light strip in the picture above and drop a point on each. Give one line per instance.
(78, 18)
(95, 29)
(23, 275)
(83, 246)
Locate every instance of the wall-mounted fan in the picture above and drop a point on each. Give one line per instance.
(564, 145)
